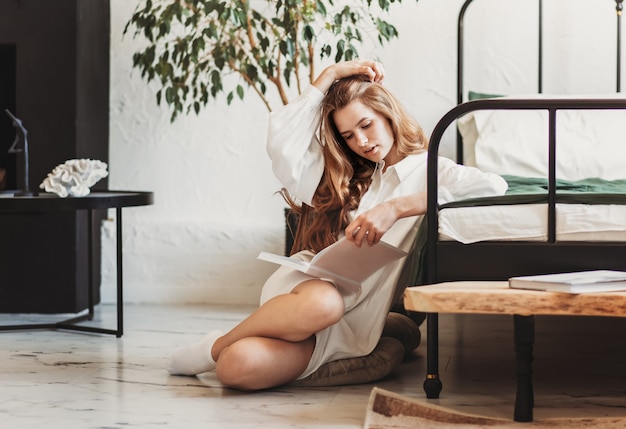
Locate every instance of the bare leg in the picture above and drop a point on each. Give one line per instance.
(271, 346)
(255, 363)
(294, 317)
(274, 344)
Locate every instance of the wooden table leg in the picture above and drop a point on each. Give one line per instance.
(524, 339)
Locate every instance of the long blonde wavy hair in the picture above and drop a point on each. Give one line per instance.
(347, 176)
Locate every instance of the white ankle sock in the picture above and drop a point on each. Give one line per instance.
(194, 358)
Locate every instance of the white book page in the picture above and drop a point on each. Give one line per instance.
(294, 263)
(346, 259)
(343, 262)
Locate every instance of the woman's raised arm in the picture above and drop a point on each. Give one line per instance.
(338, 71)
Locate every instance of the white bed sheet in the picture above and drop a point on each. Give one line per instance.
(528, 222)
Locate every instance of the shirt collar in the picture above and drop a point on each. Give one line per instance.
(406, 166)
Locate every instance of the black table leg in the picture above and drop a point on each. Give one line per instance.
(90, 262)
(72, 324)
(524, 339)
(120, 298)
(432, 384)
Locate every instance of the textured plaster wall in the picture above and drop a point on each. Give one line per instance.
(215, 203)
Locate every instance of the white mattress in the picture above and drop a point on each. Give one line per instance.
(527, 222)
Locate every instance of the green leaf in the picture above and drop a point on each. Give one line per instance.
(339, 54)
(170, 95)
(309, 33)
(321, 8)
(349, 54)
(209, 6)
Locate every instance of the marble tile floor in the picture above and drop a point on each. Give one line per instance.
(61, 379)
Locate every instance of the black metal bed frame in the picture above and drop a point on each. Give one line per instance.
(513, 258)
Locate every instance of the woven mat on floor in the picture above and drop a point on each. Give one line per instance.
(388, 410)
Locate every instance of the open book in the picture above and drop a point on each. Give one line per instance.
(343, 263)
(576, 282)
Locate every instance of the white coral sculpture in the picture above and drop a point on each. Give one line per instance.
(74, 177)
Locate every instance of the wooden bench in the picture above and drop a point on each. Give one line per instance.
(495, 297)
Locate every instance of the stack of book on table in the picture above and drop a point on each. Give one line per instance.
(574, 282)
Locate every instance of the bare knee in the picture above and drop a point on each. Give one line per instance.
(235, 366)
(258, 363)
(322, 305)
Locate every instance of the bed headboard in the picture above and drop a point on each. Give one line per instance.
(460, 58)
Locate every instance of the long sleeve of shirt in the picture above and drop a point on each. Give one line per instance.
(294, 147)
(457, 182)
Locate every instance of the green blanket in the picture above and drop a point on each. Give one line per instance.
(532, 185)
(525, 190)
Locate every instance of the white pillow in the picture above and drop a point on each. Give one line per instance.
(590, 143)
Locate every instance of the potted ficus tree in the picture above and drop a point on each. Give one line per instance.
(194, 46)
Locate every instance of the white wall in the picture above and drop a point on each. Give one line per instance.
(215, 203)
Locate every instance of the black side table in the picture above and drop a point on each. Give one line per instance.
(96, 200)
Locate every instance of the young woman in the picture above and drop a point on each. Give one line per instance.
(353, 163)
